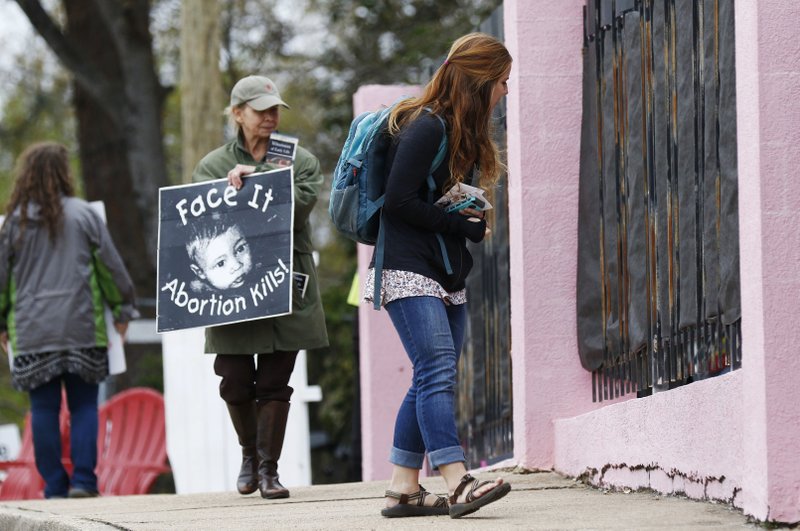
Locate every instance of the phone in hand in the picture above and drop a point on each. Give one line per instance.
(469, 201)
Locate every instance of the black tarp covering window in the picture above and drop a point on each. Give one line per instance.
(658, 252)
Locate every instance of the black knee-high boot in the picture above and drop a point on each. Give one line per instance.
(272, 417)
(244, 421)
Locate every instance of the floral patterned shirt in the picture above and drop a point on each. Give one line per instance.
(400, 284)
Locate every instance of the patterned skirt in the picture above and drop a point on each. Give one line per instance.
(32, 370)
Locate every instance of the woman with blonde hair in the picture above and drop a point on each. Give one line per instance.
(58, 268)
(426, 299)
(255, 359)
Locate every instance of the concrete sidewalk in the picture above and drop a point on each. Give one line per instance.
(537, 501)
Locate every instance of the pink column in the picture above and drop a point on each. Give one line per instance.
(768, 91)
(544, 120)
(385, 369)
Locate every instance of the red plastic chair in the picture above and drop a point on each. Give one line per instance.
(23, 481)
(131, 448)
(132, 442)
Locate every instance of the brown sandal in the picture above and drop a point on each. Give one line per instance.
(414, 504)
(471, 503)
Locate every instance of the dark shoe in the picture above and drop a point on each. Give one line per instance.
(78, 492)
(247, 482)
(471, 503)
(414, 504)
(271, 488)
(243, 417)
(272, 418)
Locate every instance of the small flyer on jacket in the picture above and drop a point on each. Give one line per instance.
(301, 283)
(225, 255)
(462, 196)
(281, 149)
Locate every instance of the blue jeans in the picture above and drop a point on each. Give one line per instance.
(432, 334)
(45, 408)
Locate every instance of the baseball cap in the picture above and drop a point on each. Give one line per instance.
(258, 92)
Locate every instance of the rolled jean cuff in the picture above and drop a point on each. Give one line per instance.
(445, 456)
(405, 458)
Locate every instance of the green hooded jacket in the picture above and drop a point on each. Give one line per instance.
(305, 327)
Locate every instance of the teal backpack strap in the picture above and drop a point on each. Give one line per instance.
(437, 161)
(445, 256)
(378, 269)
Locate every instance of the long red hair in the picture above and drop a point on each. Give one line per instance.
(461, 92)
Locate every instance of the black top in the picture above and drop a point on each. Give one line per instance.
(411, 221)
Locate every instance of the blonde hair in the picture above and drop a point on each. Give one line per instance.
(231, 118)
(42, 178)
(461, 92)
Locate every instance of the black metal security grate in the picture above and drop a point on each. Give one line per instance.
(658, 301)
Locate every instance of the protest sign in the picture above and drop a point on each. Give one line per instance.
(225, 255)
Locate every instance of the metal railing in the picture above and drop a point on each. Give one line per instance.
(658, 270)
(484, 401)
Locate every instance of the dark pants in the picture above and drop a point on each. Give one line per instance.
(243, 381)
(45, 409)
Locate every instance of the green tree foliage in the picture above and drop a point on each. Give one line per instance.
(254, 38)
(389, 41)
(384, 42)
(36, 107)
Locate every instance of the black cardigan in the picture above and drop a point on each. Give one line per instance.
(411, 222)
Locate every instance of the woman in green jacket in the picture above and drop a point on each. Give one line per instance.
(256, 388)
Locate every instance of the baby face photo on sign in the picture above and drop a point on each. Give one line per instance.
(225, 255)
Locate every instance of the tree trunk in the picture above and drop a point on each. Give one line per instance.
(120, 141)
(201, 83)
(107, 177)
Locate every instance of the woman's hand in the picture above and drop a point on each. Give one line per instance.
(475, 216)
(122, 328)
(236, 174)
(471, 212)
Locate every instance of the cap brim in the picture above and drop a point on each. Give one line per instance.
(266, 101)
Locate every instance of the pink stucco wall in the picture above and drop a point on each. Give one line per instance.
(687, 440)
(768, 92)
(544, 120)
(733, 438)
(385, 368)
